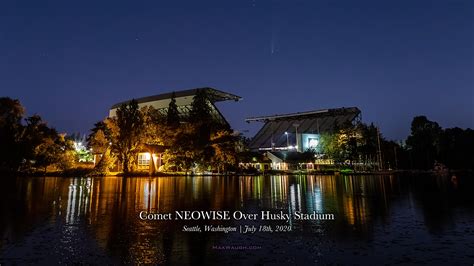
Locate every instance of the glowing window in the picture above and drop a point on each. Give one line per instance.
(143, 159)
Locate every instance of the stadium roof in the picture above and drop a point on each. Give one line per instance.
(317, 121)
(213, 94)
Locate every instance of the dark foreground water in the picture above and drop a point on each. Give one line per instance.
(378, 220)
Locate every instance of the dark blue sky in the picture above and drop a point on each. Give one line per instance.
(69, 61)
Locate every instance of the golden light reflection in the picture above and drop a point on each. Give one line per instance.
(111, 204)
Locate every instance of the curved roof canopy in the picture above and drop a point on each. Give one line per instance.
(184, 101)
(281, 129)
(213, 94)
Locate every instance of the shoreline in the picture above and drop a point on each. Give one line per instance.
(82, 173)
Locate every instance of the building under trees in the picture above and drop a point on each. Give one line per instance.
(180, 130)
(300, 131)
(297, 137)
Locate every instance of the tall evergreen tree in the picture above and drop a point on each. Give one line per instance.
(368, 147)
(172, 118)
(100, 140)
(201, 119)
(200, 108)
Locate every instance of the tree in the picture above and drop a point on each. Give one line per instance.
(342, 144)
(224, 150)
(35, 134)
(423, 142)
(71, 156)
(33, 145)
(56, 150)
(180, 154)
(391, 152)
(202, 126)
(368, 146)
(42, 146)
(200, 108)
(130, 125)
(172, 116)
(100, 141)
(456, 146)
(11, 114)
(329, 146)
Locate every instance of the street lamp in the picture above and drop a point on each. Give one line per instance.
(298, 147)
(287, 141)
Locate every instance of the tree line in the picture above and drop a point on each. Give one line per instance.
(428, 144)
(28, 144)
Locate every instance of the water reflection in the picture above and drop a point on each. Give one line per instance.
(106, 210)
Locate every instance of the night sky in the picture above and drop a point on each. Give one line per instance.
(69, 61)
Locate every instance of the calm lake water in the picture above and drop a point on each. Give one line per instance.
(378, 220)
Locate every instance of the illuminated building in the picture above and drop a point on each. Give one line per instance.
(284, 136)
(184, 100)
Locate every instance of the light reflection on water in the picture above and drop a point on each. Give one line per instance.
(99, 216)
